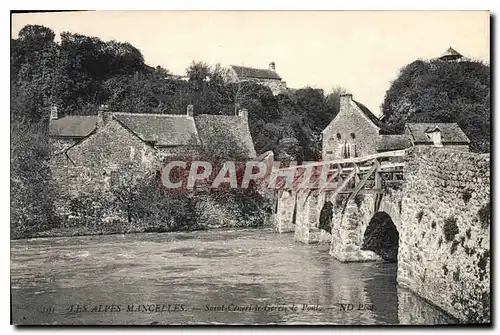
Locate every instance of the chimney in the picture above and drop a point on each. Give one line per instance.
(190, 109)
(54, 114)
(243, 113)
(103, 115)
(345, 101)
(272, 66)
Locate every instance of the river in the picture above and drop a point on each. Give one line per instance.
(223, 276)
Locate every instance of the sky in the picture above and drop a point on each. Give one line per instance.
(361, 51)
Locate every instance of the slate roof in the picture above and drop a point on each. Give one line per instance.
(166, 129)
(162, 129)
(369, 114)
(231, 129)
(393, 142)
(73, 126)
(249, 72)
(450, 132)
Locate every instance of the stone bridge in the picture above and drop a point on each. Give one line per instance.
(431, 204)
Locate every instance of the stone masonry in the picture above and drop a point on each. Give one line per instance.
(350, 128)
(442, 214)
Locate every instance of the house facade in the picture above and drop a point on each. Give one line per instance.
(267, 77)
(87, 152)
(355, 131)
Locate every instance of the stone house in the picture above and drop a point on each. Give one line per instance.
(267, 77)
(355, 131)
(88, 152)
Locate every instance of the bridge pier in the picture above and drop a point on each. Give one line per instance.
(309, 205)
(285, 212)
(348, 227)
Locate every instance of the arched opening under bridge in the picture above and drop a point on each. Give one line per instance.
(382, 237)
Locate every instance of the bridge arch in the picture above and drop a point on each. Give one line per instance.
(350, 225)
(326, 217)
(382, 237)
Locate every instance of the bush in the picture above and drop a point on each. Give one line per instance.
(450, 229)
(466, 195)
(484, 215)
(31, 192)
(420, 215)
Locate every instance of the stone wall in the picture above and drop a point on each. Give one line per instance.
(444, 231)
(350, 120)
(85, 167)
(449, 147)
(442, 214)
(276, 86)
(309, 205)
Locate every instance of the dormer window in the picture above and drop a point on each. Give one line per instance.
(434, 134)
(353, 136)
(339, 137)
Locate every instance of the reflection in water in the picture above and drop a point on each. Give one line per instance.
(194, 277)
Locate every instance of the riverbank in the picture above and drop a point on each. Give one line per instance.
(123, 228)
(201, 212)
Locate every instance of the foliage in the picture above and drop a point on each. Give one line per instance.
(420, 215)
(31, 194)
(484, 215)
(162, 209)
(438, 91)
(81, 72)
(466, 195)
(450, 228)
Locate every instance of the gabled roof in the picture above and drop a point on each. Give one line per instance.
(393, 142)
(249, 72)
(225, 128)
(161, 129)
(450, 132)
(369, 114)
(76, 126)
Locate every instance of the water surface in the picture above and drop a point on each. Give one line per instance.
(243, 276)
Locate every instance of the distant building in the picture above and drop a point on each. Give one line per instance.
(355, 131)
(437, 134)
(450, 55)
(267, 77)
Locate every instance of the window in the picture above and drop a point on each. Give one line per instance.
(329, 152)
(350, 150)
(353, 136)
(338, 136)
(341, 150)
(347, 152)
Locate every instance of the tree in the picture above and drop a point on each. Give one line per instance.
(31, 192)
(439, 91)
(333, 100)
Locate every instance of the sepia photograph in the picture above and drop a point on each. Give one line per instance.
(241, 168)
